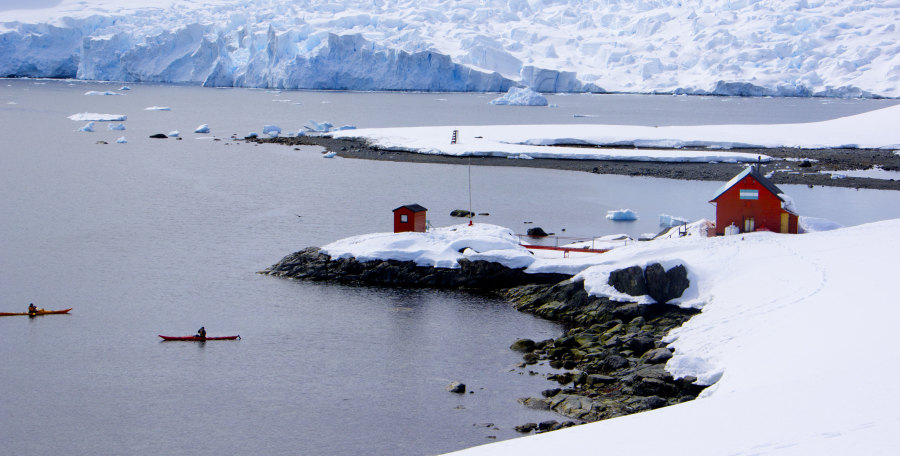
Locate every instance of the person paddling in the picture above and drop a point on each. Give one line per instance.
(32, 309)
(201, 333)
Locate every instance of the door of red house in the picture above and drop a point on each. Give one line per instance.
(749, 224)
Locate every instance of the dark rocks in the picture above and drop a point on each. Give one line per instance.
(311, 264)
(536, 232)
(654, 280)
(657, 356)
(523, 345)
(629, 281)
(461, 213)
(456, 387)
(526, 428)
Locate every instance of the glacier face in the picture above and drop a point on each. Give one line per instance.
(729, 47)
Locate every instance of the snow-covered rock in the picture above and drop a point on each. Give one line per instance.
(520, 96)
(725, 47)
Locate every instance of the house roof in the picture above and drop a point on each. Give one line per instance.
(749, 171)
(411, 207)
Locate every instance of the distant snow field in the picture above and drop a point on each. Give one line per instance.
(729, 47)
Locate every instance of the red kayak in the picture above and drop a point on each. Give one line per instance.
(198, 338)
(36, 312)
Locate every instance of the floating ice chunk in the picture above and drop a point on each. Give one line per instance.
(301, 133)
(668, 221)
(323, 127)
(328, 155)
(118, 126)
(345, 127)
(86, 116)
(94, 92)
(11, 102)
(89, 127)
(520, 97)
(124, 88)
(174, 133)
(271, 130)
(622, 215)
(122, 140)
(157, 108)
(202, 129)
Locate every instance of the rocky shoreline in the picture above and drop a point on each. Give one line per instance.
(794, 166)
(612, 354)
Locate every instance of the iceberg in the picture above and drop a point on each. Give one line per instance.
(202, 129)
(157, 108)
(520, 97)
(122, 140)
(323, 127)
(88, 127)
(93, 116)
(94, 92)
(669, 221)
(118, 126)
(622, 215)
(271, 130)
(174, 133)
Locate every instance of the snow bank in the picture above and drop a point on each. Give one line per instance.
(724, 47)
(774, 330)
(520, 97)
(874, 129)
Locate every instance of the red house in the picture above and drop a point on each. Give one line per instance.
(750, 202)
(409, 218)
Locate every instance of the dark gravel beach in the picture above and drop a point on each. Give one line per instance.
(793, 166)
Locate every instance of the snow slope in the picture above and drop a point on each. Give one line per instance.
(874, 129)
(795, 335)
(736, 47)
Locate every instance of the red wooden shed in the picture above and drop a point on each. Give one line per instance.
(751, 202)
(409, 218)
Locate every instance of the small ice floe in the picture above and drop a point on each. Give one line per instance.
(118, 126)
(319, 127)
(345, 127)
(328, 155)
(95, 92)
(202, 129)
(124, 88)
(122, 140)
(668, 221)
(174, 133)
(89, 127)
(11, 102)
(271, 130)
(157, 108)
(523, 96)
(585, 115)
(281, 101)
(301, 133)
(253, 134)
(622, 215)
(87, 116)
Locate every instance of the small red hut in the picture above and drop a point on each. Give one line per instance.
(409, 218)
(750, 202)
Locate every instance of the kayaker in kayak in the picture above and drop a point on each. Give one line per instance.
(32, 309)
(201, 333)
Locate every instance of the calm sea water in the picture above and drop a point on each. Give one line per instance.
(163, 236)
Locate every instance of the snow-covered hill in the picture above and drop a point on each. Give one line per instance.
(743, 47)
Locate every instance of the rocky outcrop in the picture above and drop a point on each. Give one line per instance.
(613, 354)
(654, 280)
(311, 264)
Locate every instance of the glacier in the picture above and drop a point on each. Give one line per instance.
(829, 48)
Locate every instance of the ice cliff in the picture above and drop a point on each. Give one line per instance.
(730, 47)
